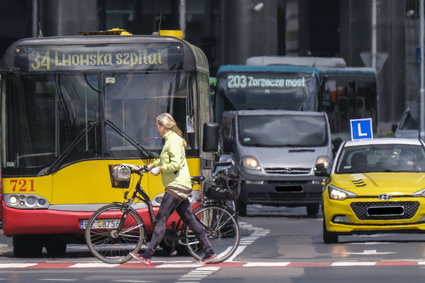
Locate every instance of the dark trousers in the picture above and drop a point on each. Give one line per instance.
(168, 205)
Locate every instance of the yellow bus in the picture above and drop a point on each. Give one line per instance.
(74, 106)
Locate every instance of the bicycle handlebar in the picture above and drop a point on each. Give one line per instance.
(135, 168)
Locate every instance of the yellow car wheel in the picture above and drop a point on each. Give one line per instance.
(329, 237)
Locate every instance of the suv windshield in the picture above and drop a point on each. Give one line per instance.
(283, 130)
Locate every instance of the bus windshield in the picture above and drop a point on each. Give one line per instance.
(133, 102)
(282, 131)
(268, 90)
(60, 116)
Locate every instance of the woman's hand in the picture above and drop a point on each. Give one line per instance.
(155, 171)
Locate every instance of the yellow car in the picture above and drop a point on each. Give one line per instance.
(374, 186)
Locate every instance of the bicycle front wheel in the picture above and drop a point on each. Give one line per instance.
(113, 232)
(222, 230)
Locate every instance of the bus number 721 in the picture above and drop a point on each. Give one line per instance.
(22, 185)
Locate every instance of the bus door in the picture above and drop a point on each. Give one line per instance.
(131, 103)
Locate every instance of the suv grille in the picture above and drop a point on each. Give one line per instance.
(288, 171)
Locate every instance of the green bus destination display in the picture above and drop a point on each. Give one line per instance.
(243, 81)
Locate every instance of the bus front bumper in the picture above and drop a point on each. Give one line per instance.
(49, 221)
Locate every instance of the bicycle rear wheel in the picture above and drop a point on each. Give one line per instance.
(222, 230)
(113, 232)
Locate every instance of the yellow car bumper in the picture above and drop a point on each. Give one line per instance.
(374, 215)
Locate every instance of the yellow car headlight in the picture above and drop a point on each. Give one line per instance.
(339, 194)
(420, 193)
(251, 163)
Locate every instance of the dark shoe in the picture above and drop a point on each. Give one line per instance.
(208, 258)
(140, 258)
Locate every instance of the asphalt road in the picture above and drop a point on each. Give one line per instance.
(277, 245)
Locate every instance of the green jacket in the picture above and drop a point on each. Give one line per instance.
(173, 166)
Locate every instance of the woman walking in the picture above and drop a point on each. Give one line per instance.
(172, 166)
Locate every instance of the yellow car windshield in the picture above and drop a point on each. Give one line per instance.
(381, 158)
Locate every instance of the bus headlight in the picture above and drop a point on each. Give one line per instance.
(13, 200)
(251, 163)
(25, 201)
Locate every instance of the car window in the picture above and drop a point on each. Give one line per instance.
(381, 158)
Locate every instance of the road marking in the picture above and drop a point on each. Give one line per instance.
(16, 265)
(132, 281)
(198, 274)
(58, 279)
(355, 263)
(179, 265)
(92, 264)
(369, 252)
(215, 267)
(266, 264)
(248, 240)
(373, 243)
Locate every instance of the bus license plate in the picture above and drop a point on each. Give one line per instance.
(101, 223)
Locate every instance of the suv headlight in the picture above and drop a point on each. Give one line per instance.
(339, 194)
(251, 163)
(324, 160)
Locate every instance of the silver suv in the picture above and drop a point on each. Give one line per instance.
(275, 152)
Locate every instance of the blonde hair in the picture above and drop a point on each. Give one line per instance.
(166, 120)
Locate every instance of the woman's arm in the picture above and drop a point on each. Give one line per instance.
(176, 155)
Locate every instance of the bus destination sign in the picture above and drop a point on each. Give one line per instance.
(244, 81)
(86, 58)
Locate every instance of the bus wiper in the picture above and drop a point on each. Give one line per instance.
(143, 151)
(55, 164)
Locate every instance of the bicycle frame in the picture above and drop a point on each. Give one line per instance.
(140, 194)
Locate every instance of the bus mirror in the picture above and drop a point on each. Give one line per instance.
(210, 140)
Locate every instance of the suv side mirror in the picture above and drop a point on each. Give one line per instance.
(321, 171)
(336, 144)
(210, 138)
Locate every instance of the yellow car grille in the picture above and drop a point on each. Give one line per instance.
(385, 210)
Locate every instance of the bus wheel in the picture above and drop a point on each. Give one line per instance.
(56, 247)
(27, 246)
(313, 209)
